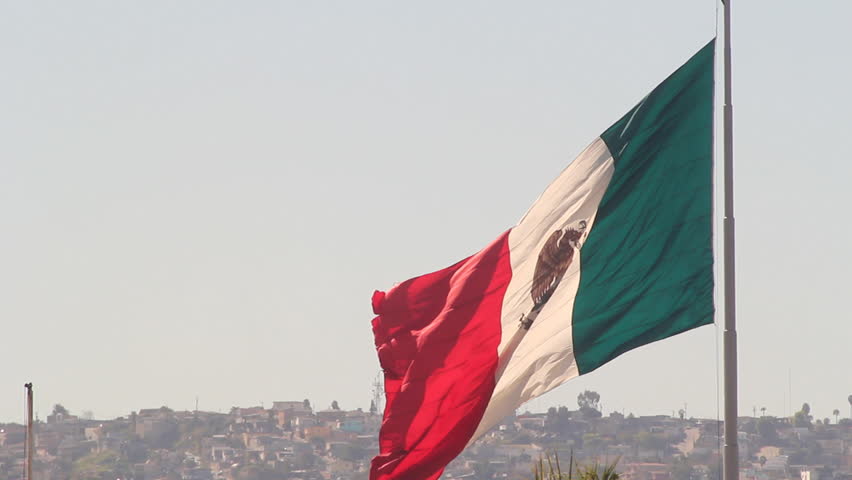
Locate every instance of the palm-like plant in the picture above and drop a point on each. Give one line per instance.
(594, 472)
(549, 468)
(552, 470)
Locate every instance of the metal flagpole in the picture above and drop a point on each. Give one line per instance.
(28, 465)
(731, 451)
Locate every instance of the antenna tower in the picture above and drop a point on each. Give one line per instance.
(379, 392)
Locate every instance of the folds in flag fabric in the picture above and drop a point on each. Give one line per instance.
(615, 254)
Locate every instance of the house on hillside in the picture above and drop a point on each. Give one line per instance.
(646, 471)
(292, 406)
(12, 435)
(532, 421)
(330, 415)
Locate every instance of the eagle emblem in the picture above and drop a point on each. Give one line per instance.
(553, 261)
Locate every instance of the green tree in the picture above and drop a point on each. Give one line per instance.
(836, 414)
(589, 403)
(557, 419)
(58, 409)
(563, 419)
(589, 399)
(802, 418)
(334, 405)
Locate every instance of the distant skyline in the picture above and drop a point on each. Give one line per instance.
(88, 414)
(198, 199)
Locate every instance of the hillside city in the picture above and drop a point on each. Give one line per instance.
(292, 440)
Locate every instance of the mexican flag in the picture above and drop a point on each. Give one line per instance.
(615, 254)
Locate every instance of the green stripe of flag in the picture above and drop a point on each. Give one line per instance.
(647, 266)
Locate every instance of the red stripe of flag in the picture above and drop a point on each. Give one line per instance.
(437, 337)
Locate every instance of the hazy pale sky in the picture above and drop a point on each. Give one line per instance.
(198, 198)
